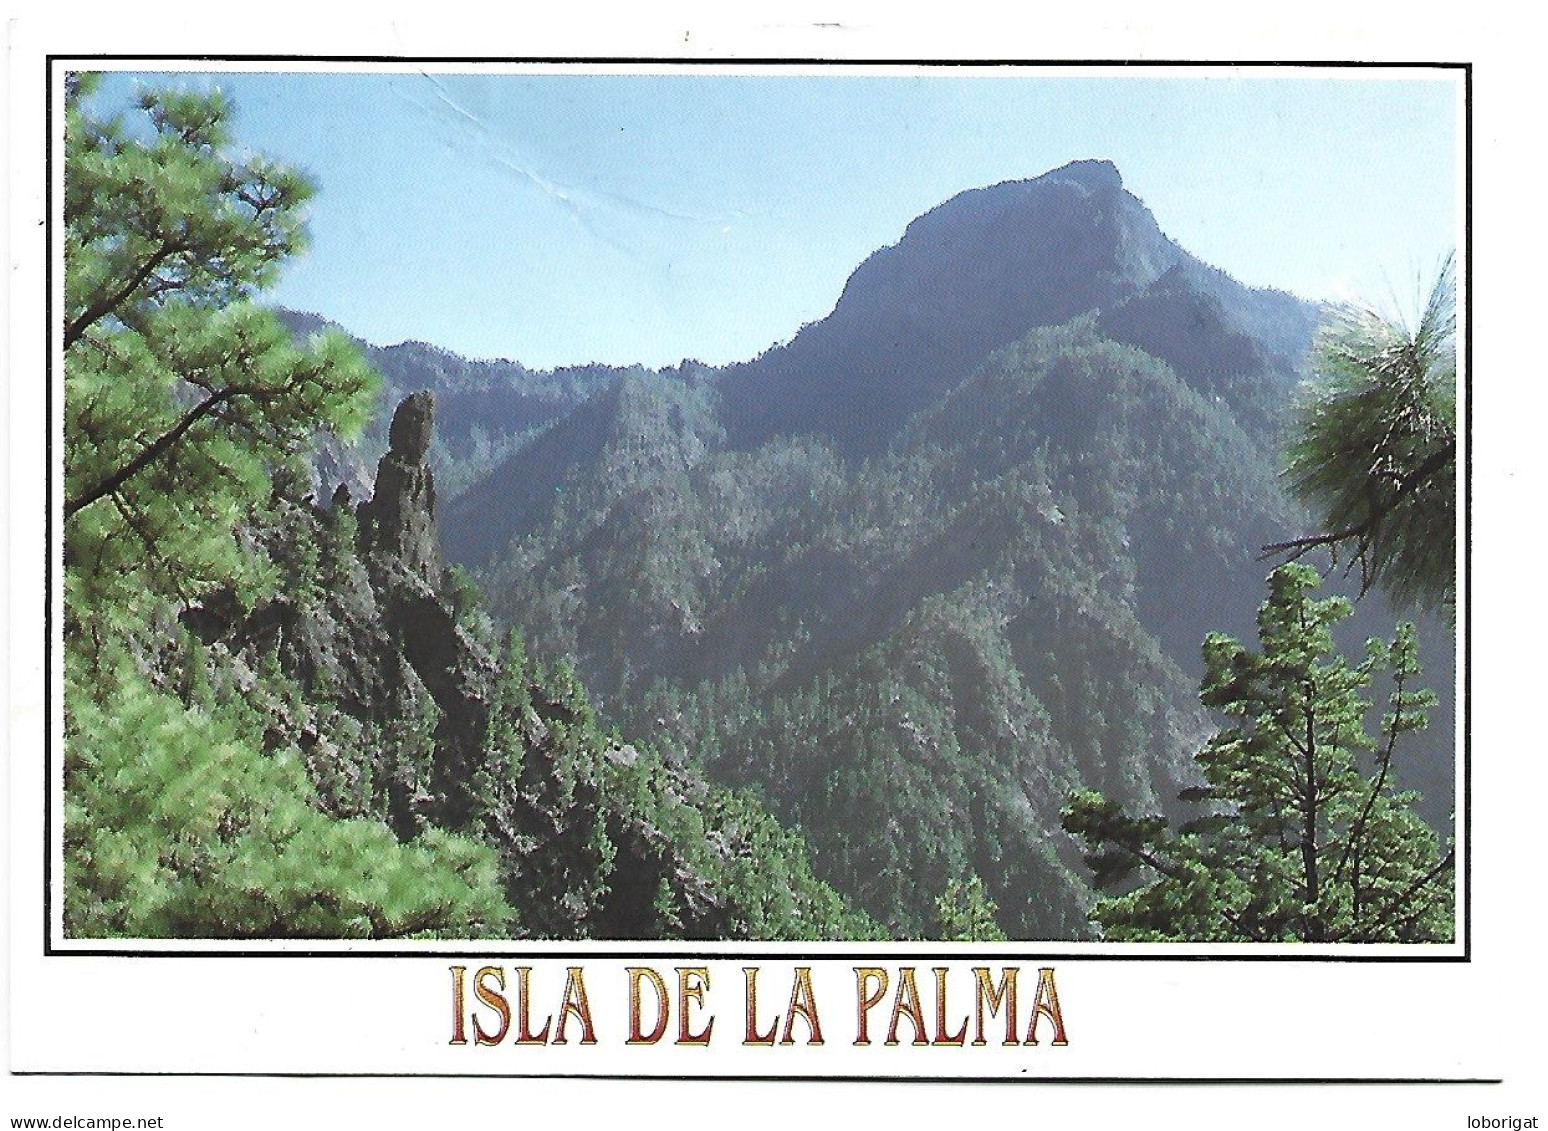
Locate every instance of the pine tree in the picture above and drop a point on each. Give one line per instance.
(182, 396)
(179, 824)
(1375, 448)
(1304, 836)
(965, 913)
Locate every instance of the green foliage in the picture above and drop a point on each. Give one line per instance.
(1303, 836)
(965, 913)
(463, 593)
(1375, 448)
(181, 395)
(178, 824)
(759, 872)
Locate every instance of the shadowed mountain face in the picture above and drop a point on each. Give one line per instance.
(944, 556)
(967, 278)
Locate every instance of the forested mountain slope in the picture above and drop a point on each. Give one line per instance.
(945, 555)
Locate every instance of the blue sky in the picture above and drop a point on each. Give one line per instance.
(645, 218)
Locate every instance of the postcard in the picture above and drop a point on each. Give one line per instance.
(752, 566)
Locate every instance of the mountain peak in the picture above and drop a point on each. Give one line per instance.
(1092, 173)
(971, 275)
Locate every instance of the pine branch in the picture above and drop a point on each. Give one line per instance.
(1367, 531)
(1358, 830)
(1402, 898)
(108, 303)
(167, 440)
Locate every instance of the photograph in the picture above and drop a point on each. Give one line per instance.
(568, 569)
(524, 509)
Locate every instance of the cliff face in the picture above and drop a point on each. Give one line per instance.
(399, 519)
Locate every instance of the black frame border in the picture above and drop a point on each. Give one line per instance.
(608, 949)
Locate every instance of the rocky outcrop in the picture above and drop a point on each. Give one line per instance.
(399, 518)
(394, 686)
(364, 621)
(400, 546)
